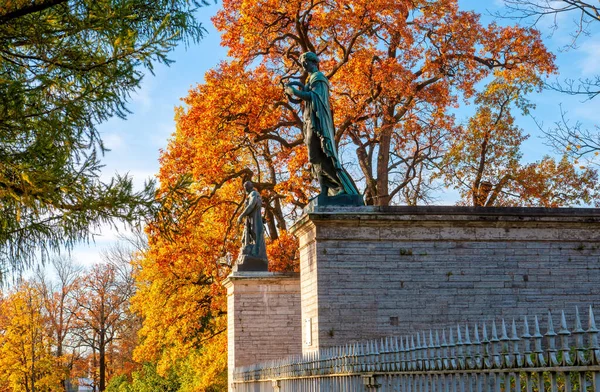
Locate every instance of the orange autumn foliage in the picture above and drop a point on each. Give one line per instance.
(179, 281)
(485, 164)
(27, 358)
(397, 69)
(283, 253)
(103, 322)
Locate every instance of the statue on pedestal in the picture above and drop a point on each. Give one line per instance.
(336, 185)
(253, 255)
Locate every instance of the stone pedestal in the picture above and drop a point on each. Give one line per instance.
(369, 272)
(263, 317)
(249, 263)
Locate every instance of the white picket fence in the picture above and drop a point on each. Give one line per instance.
(461, 360)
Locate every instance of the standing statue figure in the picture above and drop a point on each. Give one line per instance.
(319, 132)
(253, 255)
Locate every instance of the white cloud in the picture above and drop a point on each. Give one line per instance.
(590, 63)
(141, 176)
(113, 141)
(105, 236)
(86, 256)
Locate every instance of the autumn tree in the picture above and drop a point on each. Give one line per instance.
(27, 360)
(68, 65)
(396, 69)
(124, 256)
(102, 316)
(60, 308)
(179, 292)
(485, 164)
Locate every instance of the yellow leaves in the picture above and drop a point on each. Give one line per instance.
(25, 339)
(179, 292)
(221, 138)
(212, 360)
(26, 179)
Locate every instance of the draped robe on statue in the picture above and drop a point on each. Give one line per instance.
(319, 135)
(253, 240)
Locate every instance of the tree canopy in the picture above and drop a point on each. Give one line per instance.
(65, 66)
(398, 69)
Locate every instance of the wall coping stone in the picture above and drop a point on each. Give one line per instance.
(259, 275)
(366, 214)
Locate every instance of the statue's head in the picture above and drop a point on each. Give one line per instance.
(248, 186)
(309, 61)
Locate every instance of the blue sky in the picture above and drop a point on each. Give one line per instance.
(135, 142)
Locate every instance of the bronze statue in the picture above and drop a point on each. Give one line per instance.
(319, 132)
(253, 255)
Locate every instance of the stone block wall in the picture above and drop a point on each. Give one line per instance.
(373, 271)
(263, 312)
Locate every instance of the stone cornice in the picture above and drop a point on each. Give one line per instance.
(453, 215)
(259, 275)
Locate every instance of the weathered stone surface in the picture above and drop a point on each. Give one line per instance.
(263, 317)
(435, 266)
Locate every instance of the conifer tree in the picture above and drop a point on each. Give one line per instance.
(66, 66)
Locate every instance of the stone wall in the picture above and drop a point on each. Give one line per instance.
(263, 317)
(369, 272)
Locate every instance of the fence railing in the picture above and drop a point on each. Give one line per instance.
(458, 360)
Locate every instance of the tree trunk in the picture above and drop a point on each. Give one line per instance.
(102, 363)
(270, 218)
(32, 346)
(382, 198)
